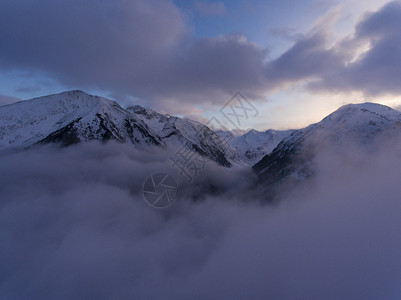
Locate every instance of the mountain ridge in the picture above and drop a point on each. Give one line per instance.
(74, 116)
(365, 125)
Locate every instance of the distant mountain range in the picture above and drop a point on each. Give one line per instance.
(254, 145)
(74, 116)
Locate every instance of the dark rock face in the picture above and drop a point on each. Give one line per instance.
(65, 136)
(101, 129)
(138, 133)
(191, 134)
(291, 162)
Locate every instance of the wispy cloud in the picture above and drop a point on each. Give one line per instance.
(210, 8)
(378, 70)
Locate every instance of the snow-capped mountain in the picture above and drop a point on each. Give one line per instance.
(363, 125)
(74, 116)
(194, 135)
(254, 145)
(69, 118)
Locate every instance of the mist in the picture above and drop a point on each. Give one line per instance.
(74, 225)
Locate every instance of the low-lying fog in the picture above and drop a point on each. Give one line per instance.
(74, 225)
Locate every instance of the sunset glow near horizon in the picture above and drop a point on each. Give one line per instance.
(296, 61)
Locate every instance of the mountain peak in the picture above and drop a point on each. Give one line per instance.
(75, 92)
(366, 106)
(68, 118)
(70, 94)
(361, 111)
(75, 116)
(363, 126)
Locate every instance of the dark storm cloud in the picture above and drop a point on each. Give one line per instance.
(145, 49)
(333, 68)
(217, 65)
(307, 58)
(138, 48)
(73, 225)
(115, 44)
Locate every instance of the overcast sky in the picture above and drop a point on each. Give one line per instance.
(295, 60)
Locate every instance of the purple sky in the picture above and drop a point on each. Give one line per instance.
(296, 60)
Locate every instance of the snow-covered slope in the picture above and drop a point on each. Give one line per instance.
(74, 116)
(69, 118)
(363, 125)
(181, 131)
(254, 145)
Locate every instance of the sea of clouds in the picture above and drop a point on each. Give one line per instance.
(74, 225)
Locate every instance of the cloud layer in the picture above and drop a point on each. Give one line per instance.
(146, 49)
(73, 224)
(138, 48)
(378, 70)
